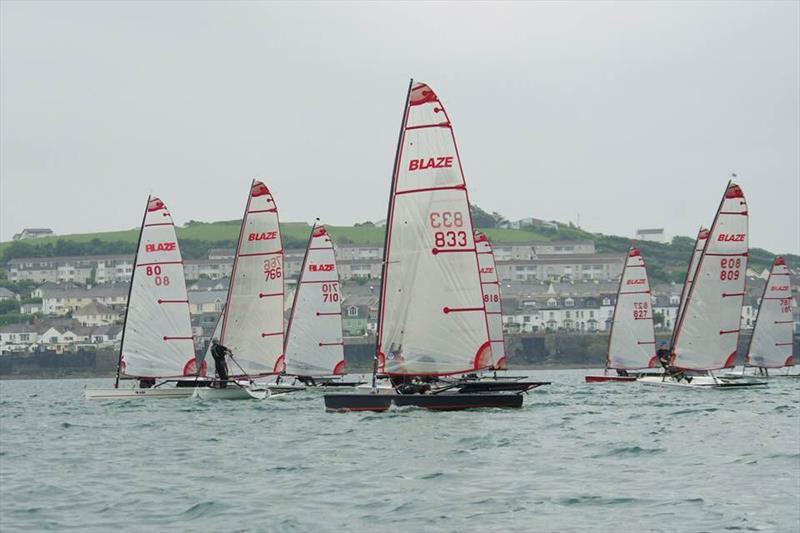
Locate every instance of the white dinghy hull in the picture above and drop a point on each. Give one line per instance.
(127, 394)
(232, 392)
(700, 382)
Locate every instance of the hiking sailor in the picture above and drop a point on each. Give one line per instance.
(218, 352)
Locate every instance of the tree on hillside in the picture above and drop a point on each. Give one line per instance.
(482, 219)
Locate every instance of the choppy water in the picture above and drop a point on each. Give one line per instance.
(577, 457)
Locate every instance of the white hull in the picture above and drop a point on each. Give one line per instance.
(159, 393)
(232, 392)
(699, 382)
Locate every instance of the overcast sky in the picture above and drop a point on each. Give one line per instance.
(631, 114)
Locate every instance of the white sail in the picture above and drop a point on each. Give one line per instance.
(771, 345)
(252, 323)
(699, 244)
(708, 333)
(491, 298)
(432, 319)
(314, 343)
(157, 338)
(632, 340)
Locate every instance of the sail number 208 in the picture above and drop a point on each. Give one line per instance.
(444, 220)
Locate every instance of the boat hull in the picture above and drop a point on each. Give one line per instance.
(701, 382)
(434, 402)
(158, 393)
(230, 393)
(606, 379)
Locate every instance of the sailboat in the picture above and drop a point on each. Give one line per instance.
(432, 316)
(314, 342)
(707, 335)
(771, 344)
(631, 342)
(157, 348)
(251, 324)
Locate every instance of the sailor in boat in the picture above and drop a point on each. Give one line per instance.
(663, 355)
(218, 352)
(147, 383)
(622, 372)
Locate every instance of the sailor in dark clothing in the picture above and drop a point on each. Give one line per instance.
(218, 352)
(663, 355)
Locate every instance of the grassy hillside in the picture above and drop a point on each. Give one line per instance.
(197, 237)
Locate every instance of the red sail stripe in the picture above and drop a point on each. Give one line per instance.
(459, 187)
(160, 263)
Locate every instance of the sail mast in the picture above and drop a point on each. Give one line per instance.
(130, 289)
(616, 306)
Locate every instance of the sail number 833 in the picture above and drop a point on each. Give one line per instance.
(445, 225)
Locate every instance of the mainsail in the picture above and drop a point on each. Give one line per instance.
(699, 244)
(708, 332)
(432, 319)
(771, 343)
(314, 343)
(157, 335)
(631, 343)
(252, 322)
(491, 298)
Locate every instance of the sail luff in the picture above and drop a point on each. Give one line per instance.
(691, 269)
(380, 357)
(708, 333)
(130, 289)
(614, 313)
(297, 288)
(233, 268)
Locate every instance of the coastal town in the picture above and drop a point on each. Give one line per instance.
(67, 304)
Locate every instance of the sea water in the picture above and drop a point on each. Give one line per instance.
(577, 457)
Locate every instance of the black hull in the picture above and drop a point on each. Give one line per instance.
(436, 402)
(498, 386)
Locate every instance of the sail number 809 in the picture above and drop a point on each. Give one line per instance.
(730, 268)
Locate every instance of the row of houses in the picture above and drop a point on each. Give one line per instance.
(59, 335)
(521, 261)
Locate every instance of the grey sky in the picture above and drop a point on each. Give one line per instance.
(631, 114)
